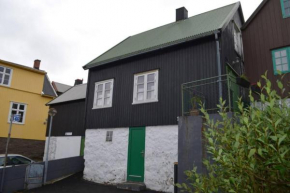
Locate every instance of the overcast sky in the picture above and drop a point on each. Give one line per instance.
(67, 34)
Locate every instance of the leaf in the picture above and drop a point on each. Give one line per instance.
(277, 122)
(270, 145)
(252, 152)
(210, 140)
(283, 154)
(281, 139)
(259, 84)
(279, 83)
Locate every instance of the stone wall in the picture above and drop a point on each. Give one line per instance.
(106, 162)
(33, 149)
(160, 154)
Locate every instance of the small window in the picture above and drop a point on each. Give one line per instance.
(285, 4)
(145, 87)
(238, 40)
(281, 60)
(103, 94)
(17, 108)
(109, 136)
(5, 76)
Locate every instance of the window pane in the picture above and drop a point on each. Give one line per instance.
(150, 94)
(140, 88)
(278, 61)
(140, 79)
(108, 86)
(15, 106)
(21, 118)
(283, 53)
(150, 77)
(100, 95)
(100, 87)
(285, 67)
(140, 96)
(8, 71)
(107, 93)
(279, 68)
(277, 54)
(150, 86)
(1, 69)
(6, 79)
(21, 107)
(1, 78)
(107, 101)
(284, 60)
(99, 102)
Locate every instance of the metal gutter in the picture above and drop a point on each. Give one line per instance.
(219, 64)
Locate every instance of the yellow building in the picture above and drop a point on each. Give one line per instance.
(24, 90)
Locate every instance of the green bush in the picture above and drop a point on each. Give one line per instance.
(250, 151)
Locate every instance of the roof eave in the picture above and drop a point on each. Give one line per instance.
(23, 67)
(178, 42)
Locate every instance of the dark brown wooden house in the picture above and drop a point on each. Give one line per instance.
(266, 38)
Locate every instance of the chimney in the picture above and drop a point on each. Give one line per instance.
(78, 81)
(181, 13)
(36, 64)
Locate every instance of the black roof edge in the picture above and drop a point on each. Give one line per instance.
(262, 4)
(70, 101)
(181, 41)
(231, 15)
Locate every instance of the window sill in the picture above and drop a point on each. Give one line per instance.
(16, 123)
(101, 107)
(144, 102)
(4, 85)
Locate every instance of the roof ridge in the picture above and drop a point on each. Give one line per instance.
(184, 19)
(61, 83)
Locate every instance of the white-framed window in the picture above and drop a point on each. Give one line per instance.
(103, 94)
(5, 76)
(109, 136)
(17, 108)
(238, 40)
(145, 87)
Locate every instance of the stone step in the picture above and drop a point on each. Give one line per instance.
(134, 186)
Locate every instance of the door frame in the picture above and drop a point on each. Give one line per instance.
(129, 153)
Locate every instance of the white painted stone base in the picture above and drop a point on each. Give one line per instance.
(106, 162)
(63, 147)
(161, 150)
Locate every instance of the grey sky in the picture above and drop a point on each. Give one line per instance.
(67, 34)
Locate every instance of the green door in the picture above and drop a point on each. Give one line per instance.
(136, 153)
(234, 88)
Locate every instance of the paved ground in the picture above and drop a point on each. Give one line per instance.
(75, 184)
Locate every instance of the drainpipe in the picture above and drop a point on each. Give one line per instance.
(219, 64)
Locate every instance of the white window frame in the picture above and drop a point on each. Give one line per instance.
(18, 110)
(145, 100)
(95, 106)
(3, 74)
(238, 42)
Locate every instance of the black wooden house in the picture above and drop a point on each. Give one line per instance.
(137, 89)
(68, 126)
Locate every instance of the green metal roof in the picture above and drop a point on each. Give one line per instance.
(171, 34)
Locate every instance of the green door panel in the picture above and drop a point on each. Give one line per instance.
(136, 153)
(234, 88)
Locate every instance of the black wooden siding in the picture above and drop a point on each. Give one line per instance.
(191, 61)
(228, 53)
(70, 117)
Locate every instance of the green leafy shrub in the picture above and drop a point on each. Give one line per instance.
(250, 151)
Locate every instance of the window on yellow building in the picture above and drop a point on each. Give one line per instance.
(5, 76)
(18, 108)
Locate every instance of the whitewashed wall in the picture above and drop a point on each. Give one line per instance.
(161, 151)
(106, 162)
(63, 147)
